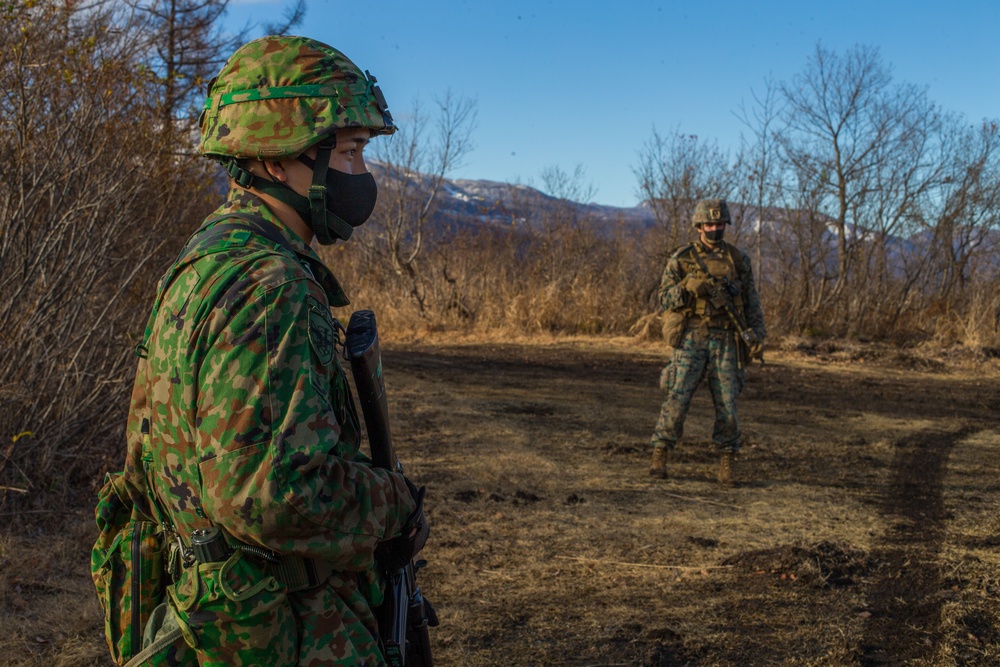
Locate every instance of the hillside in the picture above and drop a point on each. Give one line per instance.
(471, 204)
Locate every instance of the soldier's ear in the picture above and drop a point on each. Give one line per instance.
(275, 170)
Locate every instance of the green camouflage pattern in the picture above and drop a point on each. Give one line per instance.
(127, 558)
(252, 428)
(714, 358)
(234, 613)
(276, 96)
(711, 210)
(709, 347)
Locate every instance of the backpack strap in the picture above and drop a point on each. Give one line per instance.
(256, 224)
(206, 235)
(161, 643)
(699, 258)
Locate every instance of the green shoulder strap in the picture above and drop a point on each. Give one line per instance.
(207, 235)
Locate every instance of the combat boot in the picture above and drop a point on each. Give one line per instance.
(726, 477)
(658, 464)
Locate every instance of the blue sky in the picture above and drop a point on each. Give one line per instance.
(564, 83)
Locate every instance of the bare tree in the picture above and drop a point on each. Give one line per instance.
(560, 184)
(184, 48)
(290, 18)
(758, 171)
(413, 164)
(187, 44)
(864, 142)
(554, 220)
(674, 172)
(956, 220)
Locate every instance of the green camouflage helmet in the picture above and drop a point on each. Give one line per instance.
(711, 210)
(276, 96)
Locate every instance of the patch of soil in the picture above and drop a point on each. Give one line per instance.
(864, 532)
(826, 564)
(907, 596)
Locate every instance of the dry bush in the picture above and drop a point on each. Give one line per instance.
(577, 281)
(87, 214)
(574, 282)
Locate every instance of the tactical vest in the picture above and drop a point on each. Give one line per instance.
(719, 264)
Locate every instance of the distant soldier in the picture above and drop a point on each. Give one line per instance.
(242, 420)
(712, 309)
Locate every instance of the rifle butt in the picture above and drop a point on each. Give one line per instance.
(366, 366)
(404, 615)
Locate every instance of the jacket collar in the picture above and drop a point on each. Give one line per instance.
(242, 201)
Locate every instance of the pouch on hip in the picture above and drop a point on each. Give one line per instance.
(233, 613)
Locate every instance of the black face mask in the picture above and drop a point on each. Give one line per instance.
(715, 235)
(350, 200)
(350, 197)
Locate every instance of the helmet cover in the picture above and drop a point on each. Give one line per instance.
(276, 96)
(711, 211)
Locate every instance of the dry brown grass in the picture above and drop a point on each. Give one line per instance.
(551, 546)
(50, 614)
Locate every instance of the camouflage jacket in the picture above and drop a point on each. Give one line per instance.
(725, 259)
(245, 408)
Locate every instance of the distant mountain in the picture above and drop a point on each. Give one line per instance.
(474, 204)
(494, 198)
(465, 203)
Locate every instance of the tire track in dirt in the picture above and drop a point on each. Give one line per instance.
(906, 597)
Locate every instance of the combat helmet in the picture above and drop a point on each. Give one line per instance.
(709, 211)
(275, 97)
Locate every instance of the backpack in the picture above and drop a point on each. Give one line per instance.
(127, 565)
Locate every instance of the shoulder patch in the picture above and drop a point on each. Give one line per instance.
(322, 332)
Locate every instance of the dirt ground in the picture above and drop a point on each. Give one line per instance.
(865, 531)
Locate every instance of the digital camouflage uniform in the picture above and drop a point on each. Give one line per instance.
(243, 418)
(710, 347)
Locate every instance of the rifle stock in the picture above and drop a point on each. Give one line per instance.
(404, 615)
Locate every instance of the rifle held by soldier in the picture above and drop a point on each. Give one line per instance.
(721, 293)
(404, 615)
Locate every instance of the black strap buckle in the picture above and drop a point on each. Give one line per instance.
(243, 178)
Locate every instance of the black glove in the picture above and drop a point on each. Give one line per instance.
(395, 553)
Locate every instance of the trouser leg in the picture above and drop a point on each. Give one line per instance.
(681, 381)
(725, 382)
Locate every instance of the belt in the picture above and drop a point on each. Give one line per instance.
(299, 574)
(295, 572)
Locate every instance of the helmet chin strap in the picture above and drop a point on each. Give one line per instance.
(312, 209)
(325, 225)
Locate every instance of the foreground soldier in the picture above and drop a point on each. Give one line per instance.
(708, 295)
(241, 414)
